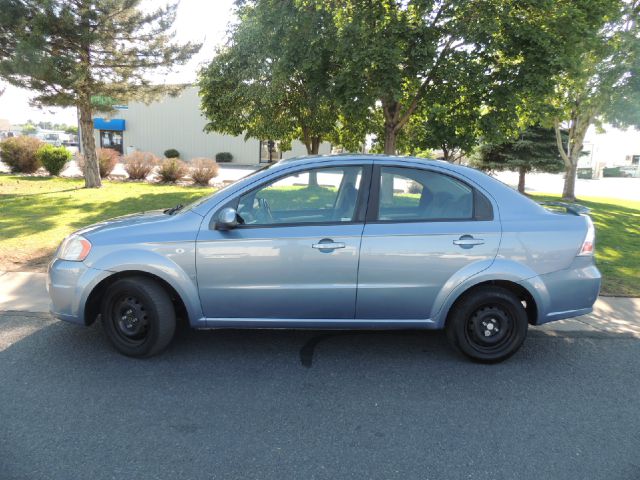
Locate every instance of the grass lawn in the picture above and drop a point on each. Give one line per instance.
(36, 213)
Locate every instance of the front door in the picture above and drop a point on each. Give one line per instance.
(296, 253)
(423, 229)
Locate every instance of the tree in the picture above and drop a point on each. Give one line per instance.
(272, 80)
(397, 55)
(29, 129)
(70, 51)
(453, 129)
(534, 150)
(602, 86)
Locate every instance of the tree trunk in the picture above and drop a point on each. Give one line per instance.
(569, 189)
(389, 139)
(445, 153)
(579, 125)
(313, 146)
(91, 170)
(522, 171)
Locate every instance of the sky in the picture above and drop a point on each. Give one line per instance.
(196, 20)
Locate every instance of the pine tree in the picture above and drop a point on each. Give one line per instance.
(534, 150)
(69, 52)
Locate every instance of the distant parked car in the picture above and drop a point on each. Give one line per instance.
(343, 242)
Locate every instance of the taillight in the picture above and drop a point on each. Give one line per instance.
(589, 239)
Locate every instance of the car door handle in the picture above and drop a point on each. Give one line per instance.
(467, 241)
(327, 244)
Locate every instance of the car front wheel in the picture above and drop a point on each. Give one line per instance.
(489, 324)
(138, 316)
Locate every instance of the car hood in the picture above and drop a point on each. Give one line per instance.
(141, 219)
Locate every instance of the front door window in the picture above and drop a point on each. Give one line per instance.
(325, 195)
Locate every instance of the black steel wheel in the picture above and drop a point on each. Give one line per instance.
(489, 324)
(138, 316)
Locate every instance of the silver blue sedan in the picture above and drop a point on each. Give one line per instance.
(338, 242)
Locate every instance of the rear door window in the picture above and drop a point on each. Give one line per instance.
(407, 194)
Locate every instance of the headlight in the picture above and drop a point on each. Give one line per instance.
(74, 248)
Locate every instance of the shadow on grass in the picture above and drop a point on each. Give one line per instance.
(142, 203)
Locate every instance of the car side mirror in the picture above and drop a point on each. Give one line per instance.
(227, 219)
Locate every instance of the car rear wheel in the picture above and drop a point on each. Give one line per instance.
(138, 316)
(488, 325)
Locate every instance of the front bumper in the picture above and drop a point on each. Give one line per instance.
(69, 285)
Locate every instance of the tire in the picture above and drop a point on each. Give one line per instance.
(138, 316)
(488, 325)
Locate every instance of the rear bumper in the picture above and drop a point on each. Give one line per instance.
(567, 293)
(68, 284)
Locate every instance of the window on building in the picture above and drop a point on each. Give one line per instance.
(111, 139)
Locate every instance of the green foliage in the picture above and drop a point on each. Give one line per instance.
(223, 157)
(139, 165)
(68, 52)
(535, 150)
(71, 129)
(53, 158)
(29, 129)
(19, 153)
(203, 170)
(603, 84)
(171, 170)
(478, 64)
(273, 79)
(172, 153)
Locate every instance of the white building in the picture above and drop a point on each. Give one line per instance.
(176, 122)
(612, 148)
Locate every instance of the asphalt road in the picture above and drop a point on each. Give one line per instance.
(305, 405)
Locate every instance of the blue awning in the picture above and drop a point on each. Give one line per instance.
(113, 124)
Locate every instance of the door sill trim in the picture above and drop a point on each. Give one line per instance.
(320, 323)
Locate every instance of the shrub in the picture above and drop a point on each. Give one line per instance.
(223, 157)
(19, 153)
(172, 153)
(172, 170)
(53, 158)
(139, 164)
(107, 160)
(203, 170)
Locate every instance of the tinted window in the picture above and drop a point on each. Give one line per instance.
(326, 195)
(414, 195)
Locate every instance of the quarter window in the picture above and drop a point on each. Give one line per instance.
(325, 195)
(413, 195)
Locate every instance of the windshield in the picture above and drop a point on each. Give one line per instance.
(223, 189)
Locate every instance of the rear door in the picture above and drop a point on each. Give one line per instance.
(423, 226)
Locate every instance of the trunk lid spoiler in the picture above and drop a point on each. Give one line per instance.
(572, 208)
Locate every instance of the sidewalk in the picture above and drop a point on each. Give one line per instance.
(26, 292)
